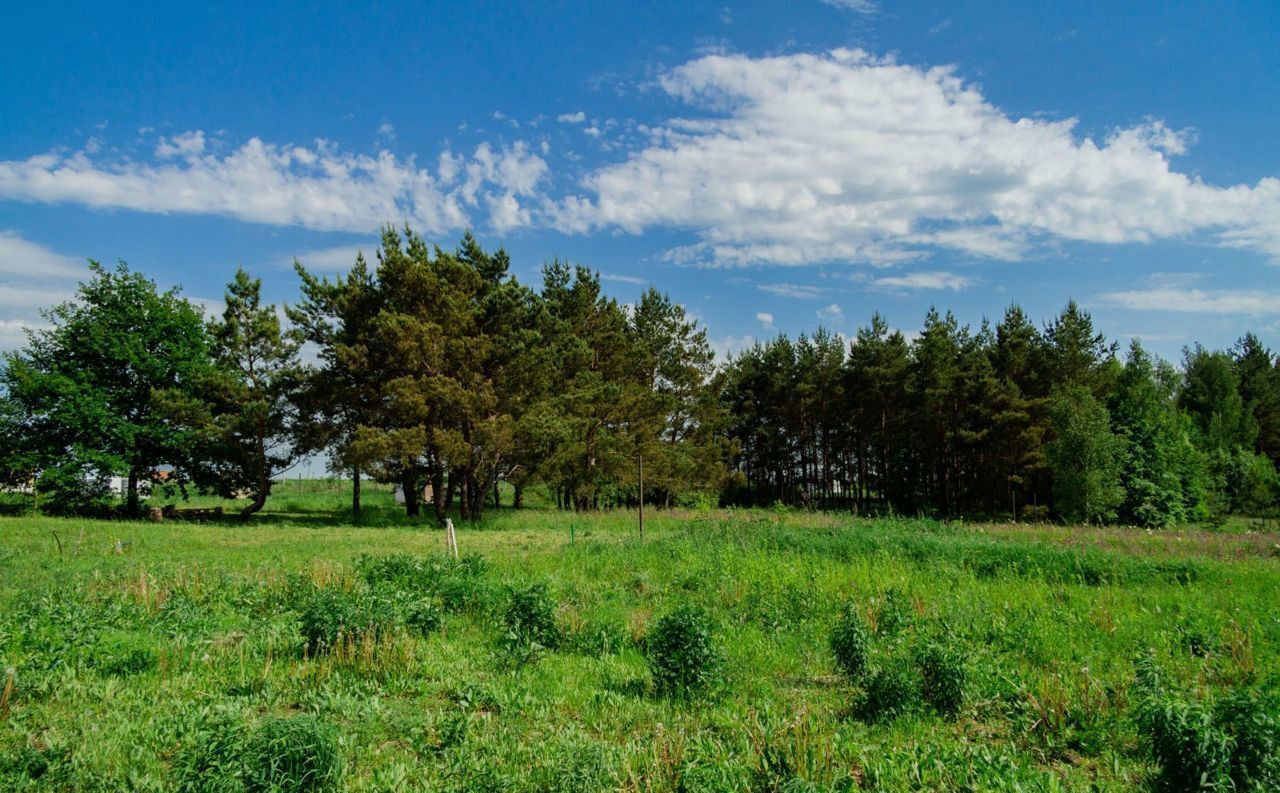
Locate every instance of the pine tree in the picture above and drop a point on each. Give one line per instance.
(242, 414)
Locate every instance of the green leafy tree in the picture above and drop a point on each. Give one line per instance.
(1086, 457)
(1161, 477)
(84, 387)
(243, 413)
(1211, 396)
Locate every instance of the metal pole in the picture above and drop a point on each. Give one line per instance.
(642, 496)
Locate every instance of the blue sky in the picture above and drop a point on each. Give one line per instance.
(772, 166)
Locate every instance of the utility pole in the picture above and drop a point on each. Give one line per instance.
(641, 458)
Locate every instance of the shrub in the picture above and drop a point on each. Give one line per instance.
(529, 624)
(683, 656)
(298, 754)
(327, 616)
(942, 676)
(1253, 722)
(850, 642)
(422, 616)
(1233, 746)
(891, 691)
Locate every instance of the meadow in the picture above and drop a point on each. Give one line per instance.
(725, 650)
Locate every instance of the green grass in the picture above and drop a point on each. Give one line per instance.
(132, 669)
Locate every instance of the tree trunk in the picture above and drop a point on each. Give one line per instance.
(518, 499)
(259, 498)
(449, 490)
(497, 497)
(437, 493)
(355, 490)
(131, 496)
(464, 495)
(412, 498)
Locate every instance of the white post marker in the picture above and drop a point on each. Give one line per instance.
(450, 538)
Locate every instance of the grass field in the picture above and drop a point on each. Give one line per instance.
(301, 652)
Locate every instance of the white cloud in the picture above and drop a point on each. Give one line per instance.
(832, 313)
(796, 291)
(572, 118)
(188, 144)
(925, 280)
(386, 131)
(32, 277)
(848, 157)
(730, 346)
(1195, 301)
(13, 333)
(857, 6)
(623, 279)
(318, 187)
(765, 319)
(24, 259)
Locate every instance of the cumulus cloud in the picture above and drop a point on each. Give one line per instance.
(572, 118)
(765, 319)
(924, 280)
(844, 156)
(832, 313)
(318, 187)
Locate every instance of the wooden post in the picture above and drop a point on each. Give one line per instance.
(450, 538)
(642, 496)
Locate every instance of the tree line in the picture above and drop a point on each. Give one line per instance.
(439, 371)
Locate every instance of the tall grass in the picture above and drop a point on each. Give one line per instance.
(969, 660)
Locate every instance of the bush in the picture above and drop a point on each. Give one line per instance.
(683, 656)
(942, 676)
(529, 624)
(1233, 746)
(211, 758)
(891, 691)
(327, 616)
(1253, 722)
(331, 615)
(423, 616)
(298, 754)
(850, 642)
